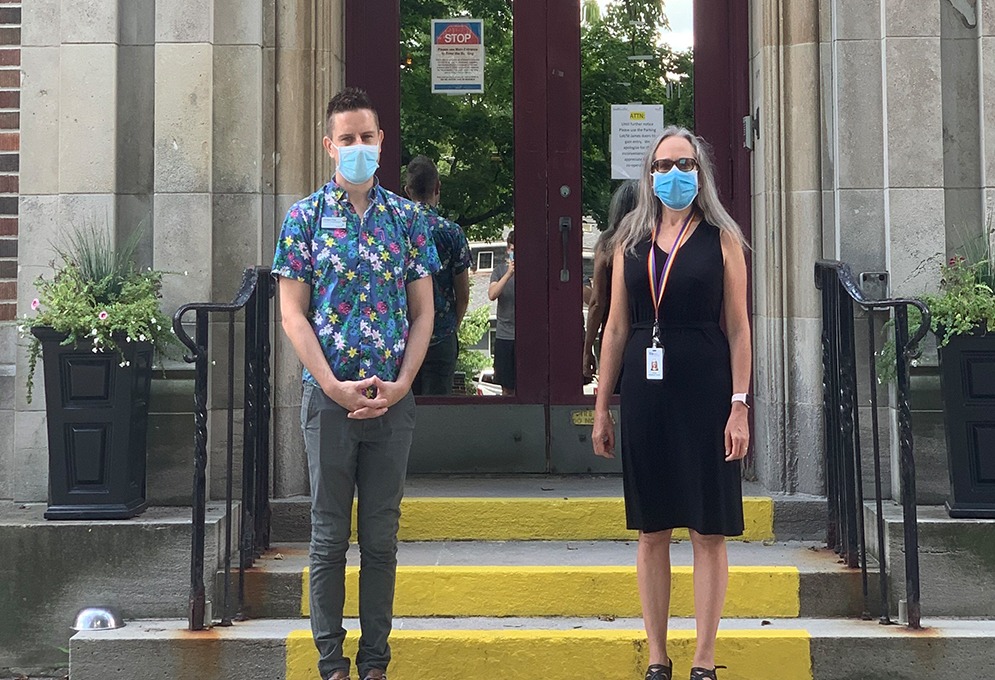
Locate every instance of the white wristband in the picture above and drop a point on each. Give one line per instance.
(741, 397)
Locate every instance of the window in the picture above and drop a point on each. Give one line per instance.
(485, 260)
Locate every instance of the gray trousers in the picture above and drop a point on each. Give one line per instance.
(345, 457)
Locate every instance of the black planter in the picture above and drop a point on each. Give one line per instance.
(967, 380)
(97, 423)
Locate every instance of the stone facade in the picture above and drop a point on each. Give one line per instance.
(200, 121)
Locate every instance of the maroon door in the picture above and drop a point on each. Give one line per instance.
(547, 209)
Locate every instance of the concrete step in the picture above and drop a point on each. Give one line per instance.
(956, 559)
(569, 578)
(547, 508)
(553, 649)
(51, 569)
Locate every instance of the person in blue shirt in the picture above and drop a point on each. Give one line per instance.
(354, 263)
(451, 283)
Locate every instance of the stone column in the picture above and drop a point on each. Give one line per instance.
(960, 69)
(788, 215)
(310, 69)
(914, 132)
(986, 108)
(84, 73)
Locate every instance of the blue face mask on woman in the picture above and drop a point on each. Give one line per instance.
(676, 188)
(358, 162)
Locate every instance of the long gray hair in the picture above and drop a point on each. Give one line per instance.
(623, 202)
(638, 225)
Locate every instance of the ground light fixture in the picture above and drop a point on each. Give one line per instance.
(98, 618)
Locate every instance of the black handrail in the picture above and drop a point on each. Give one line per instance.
(844, 477)
(253, 297)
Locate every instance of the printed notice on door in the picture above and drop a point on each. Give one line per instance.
(634, 128)
(457, 56)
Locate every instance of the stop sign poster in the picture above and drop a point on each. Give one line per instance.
(457, 56)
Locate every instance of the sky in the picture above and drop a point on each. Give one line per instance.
(681, 35)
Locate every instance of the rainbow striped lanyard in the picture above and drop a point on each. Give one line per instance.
(657, 288)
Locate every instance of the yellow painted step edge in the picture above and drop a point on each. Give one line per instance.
(550, 519)
(754, 591)
(565, 654)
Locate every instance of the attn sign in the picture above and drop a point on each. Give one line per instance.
(634, 128)
(457, 56)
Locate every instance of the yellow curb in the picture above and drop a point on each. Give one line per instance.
(544, 519)
(771, 592)
(565, 654)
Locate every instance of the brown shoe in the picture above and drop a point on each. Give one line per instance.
(339, 675)
(375, 674)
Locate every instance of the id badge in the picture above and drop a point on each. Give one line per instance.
(332, 223)
(654, 363)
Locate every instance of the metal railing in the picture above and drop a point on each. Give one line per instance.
(844, 476)
(253, 297)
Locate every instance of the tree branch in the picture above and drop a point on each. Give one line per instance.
(465, 222)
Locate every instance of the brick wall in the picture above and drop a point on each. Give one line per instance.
(10, 144)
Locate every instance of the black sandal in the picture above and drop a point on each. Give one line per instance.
(698, 673)
(660, 672)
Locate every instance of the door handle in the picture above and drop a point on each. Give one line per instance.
(565, 224)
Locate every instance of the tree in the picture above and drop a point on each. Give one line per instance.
(471, 137)
(612, 72)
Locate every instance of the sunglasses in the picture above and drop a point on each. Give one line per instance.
(666, 164)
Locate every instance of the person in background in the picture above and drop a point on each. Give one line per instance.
(623, 202)
(354, 263)
(679, 325)
(502, 289)
(451, 284)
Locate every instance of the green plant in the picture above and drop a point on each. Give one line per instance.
(471, 330)
(98, 297)
(964, 303)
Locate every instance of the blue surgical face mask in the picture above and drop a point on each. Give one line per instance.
(677, 189)
(358, 162)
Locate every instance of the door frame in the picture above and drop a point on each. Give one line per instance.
(547, 94)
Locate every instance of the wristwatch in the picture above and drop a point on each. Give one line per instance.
(741, 397)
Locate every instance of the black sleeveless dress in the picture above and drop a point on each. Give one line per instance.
(673, 449)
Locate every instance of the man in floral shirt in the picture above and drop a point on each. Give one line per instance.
(451, 283)
(354, 263)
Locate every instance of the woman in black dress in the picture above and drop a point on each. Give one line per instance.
(684, 340)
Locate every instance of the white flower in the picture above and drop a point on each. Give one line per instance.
(127, 363)
(152, 319)
(95, 350)
(93, 332)
(22, 329)
(142, 337)
(123, 364)
(129, 338)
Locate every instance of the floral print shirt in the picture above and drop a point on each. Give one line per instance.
(454, 256)
(357, 269)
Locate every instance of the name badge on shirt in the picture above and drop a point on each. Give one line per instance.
(332, 223)
(654, 363)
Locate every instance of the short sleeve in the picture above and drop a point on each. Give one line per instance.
(293, 250)
(461, 252)
(423, 258)
(498, 272)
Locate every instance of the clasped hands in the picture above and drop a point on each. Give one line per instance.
(364, 399)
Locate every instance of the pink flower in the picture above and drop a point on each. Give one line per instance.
(35, 304)
(103, 316)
